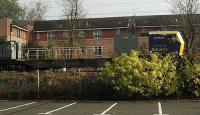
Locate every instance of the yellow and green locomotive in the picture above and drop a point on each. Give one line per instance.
(166, 42)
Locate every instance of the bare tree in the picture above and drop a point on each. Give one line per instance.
(187, 12)
(74, 12)
(10, 9)
(35, 13)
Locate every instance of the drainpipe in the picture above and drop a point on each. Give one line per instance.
(10, 28)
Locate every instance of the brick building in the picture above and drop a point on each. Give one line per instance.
(13, 39)
(12, 32)
(100, 33)
(94, 36)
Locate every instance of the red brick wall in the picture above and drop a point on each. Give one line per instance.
(30, 33)
(43, 36)
(4, 28)
(106, 42)
(108, 33)
(23, 35)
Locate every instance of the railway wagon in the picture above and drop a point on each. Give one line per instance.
(10, 50)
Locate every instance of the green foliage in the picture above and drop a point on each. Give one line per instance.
(188, 74)
(32, 13)
(128, 76)
(22, 14)
(10, 8)
(145, 77)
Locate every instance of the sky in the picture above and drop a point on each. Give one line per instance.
(107, 8)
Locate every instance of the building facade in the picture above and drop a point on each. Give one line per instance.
(13, 39)
(12, 32)
(93, 37)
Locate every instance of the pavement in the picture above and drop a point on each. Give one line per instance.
(100, 108)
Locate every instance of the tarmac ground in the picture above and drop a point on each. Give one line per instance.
(181, 107)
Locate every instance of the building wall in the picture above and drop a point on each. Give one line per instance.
(59, 40)
(29, 33)
(106, 41)
(22, 38)
(8, 32)
(88, 42)
(4, 29)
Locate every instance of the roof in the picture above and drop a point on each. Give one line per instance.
(20, 23)
(17, 23)
(19, 27)
(83, 24)
(157, 20)
(110, 22)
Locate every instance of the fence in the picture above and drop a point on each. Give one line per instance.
(69, 53)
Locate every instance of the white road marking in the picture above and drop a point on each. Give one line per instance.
(50, 112)
(17, 106)
(160, 110)
(103, 113)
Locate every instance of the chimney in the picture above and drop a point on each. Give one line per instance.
(5, 26)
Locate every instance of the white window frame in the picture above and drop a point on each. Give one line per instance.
(38, 36)
(118, 32)
(18, 33)
(83, 49)
(98, 51)
(82, 33)
(50, 35)
(97, 34)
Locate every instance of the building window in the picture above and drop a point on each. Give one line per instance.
(98, 51)
(66, 34)
(18, 33)
(83, 49)
(97, 34)
(82, 34)
(50, 35)
(38, 36)
(118, 32)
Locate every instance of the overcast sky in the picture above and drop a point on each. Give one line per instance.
(109, 8)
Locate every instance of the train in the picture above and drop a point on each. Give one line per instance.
(166, 42)
(14, 56)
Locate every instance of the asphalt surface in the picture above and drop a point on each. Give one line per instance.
(99, 108)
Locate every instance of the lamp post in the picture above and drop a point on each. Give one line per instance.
(38, 83)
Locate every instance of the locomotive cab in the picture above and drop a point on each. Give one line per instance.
(166, 42)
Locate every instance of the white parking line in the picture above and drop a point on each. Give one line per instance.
(17, 106)
(160, 110)
(50, 112)
(103, 113)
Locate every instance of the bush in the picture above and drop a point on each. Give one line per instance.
(188, 73)
(130, 75)
(127, 77)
